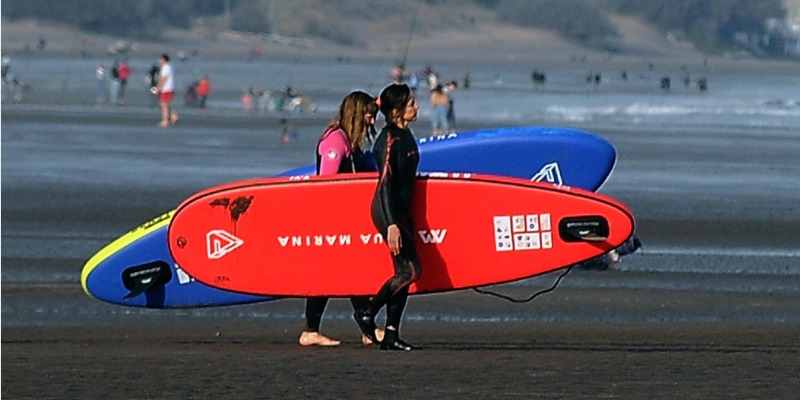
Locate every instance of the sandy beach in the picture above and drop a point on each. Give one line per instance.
(202, 359)
(708, 309)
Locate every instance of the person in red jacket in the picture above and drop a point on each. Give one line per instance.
(203, 90)
(123, 73)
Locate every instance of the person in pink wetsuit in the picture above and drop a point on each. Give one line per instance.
(340, 151)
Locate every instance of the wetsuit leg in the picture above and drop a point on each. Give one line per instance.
(315, 306)
(406, 271)
(359, 302)
(395, 308)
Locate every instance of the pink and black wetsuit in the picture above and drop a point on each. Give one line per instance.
(397, 156)
(334, 156)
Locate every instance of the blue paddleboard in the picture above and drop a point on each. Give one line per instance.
(137, 269)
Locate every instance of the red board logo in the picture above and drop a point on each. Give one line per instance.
(219, 243)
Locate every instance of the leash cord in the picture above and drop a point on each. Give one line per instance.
(533, 296)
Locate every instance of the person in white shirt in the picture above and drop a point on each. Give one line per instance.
(165, 90)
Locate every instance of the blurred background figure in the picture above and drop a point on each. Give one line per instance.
(288, 133)
(203, 90)
(123, 73)
(100, 77)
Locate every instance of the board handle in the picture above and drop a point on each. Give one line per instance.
(141, 278)
(588, 228)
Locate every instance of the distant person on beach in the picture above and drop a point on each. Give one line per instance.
(340, 150)
(6, 64)
(413, 82)
(247, 99)
(152, 80)
(203, 90)
(166, 92)
(397, 156)
(702, 84)
(123, 73)
(113, 88)
(450, 90)
(288, 133)
(538, 78)
(440, 104)
(100, 77)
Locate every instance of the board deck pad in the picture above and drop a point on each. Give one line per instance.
(470, 231)
(554, 155)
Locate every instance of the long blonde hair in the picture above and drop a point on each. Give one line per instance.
(351, 118)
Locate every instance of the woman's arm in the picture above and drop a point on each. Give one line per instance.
(332, 150)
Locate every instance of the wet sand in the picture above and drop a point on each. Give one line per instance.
(223, 358)
(613, 341)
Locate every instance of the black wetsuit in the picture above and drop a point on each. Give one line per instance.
(397, 156)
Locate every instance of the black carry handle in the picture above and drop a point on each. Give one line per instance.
(141, 278)
(589, 228)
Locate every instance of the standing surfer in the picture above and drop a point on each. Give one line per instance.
(397, 156)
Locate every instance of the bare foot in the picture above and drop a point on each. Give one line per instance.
(163, 124)
(316, 339)
(378, 334)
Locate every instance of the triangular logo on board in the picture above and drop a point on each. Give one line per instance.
(550, 174)
(219, 243)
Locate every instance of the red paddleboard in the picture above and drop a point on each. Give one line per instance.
(314, 237)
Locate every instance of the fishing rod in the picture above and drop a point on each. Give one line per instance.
(411, 32)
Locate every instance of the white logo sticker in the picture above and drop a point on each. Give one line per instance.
(219, 243)
(550, 174)
(433, 236)
(183, 277)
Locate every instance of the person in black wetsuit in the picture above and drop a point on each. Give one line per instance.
(340, 151)
(397, 156)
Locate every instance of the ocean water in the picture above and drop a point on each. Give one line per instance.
(498, 94)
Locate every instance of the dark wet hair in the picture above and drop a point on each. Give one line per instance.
(165, 57)
(394, 97)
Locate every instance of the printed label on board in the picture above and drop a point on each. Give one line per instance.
(522, 232)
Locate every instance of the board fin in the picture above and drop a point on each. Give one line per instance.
(590, 228)
(141, 278)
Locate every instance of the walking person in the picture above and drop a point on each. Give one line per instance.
(397, 156)
(340, 150)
